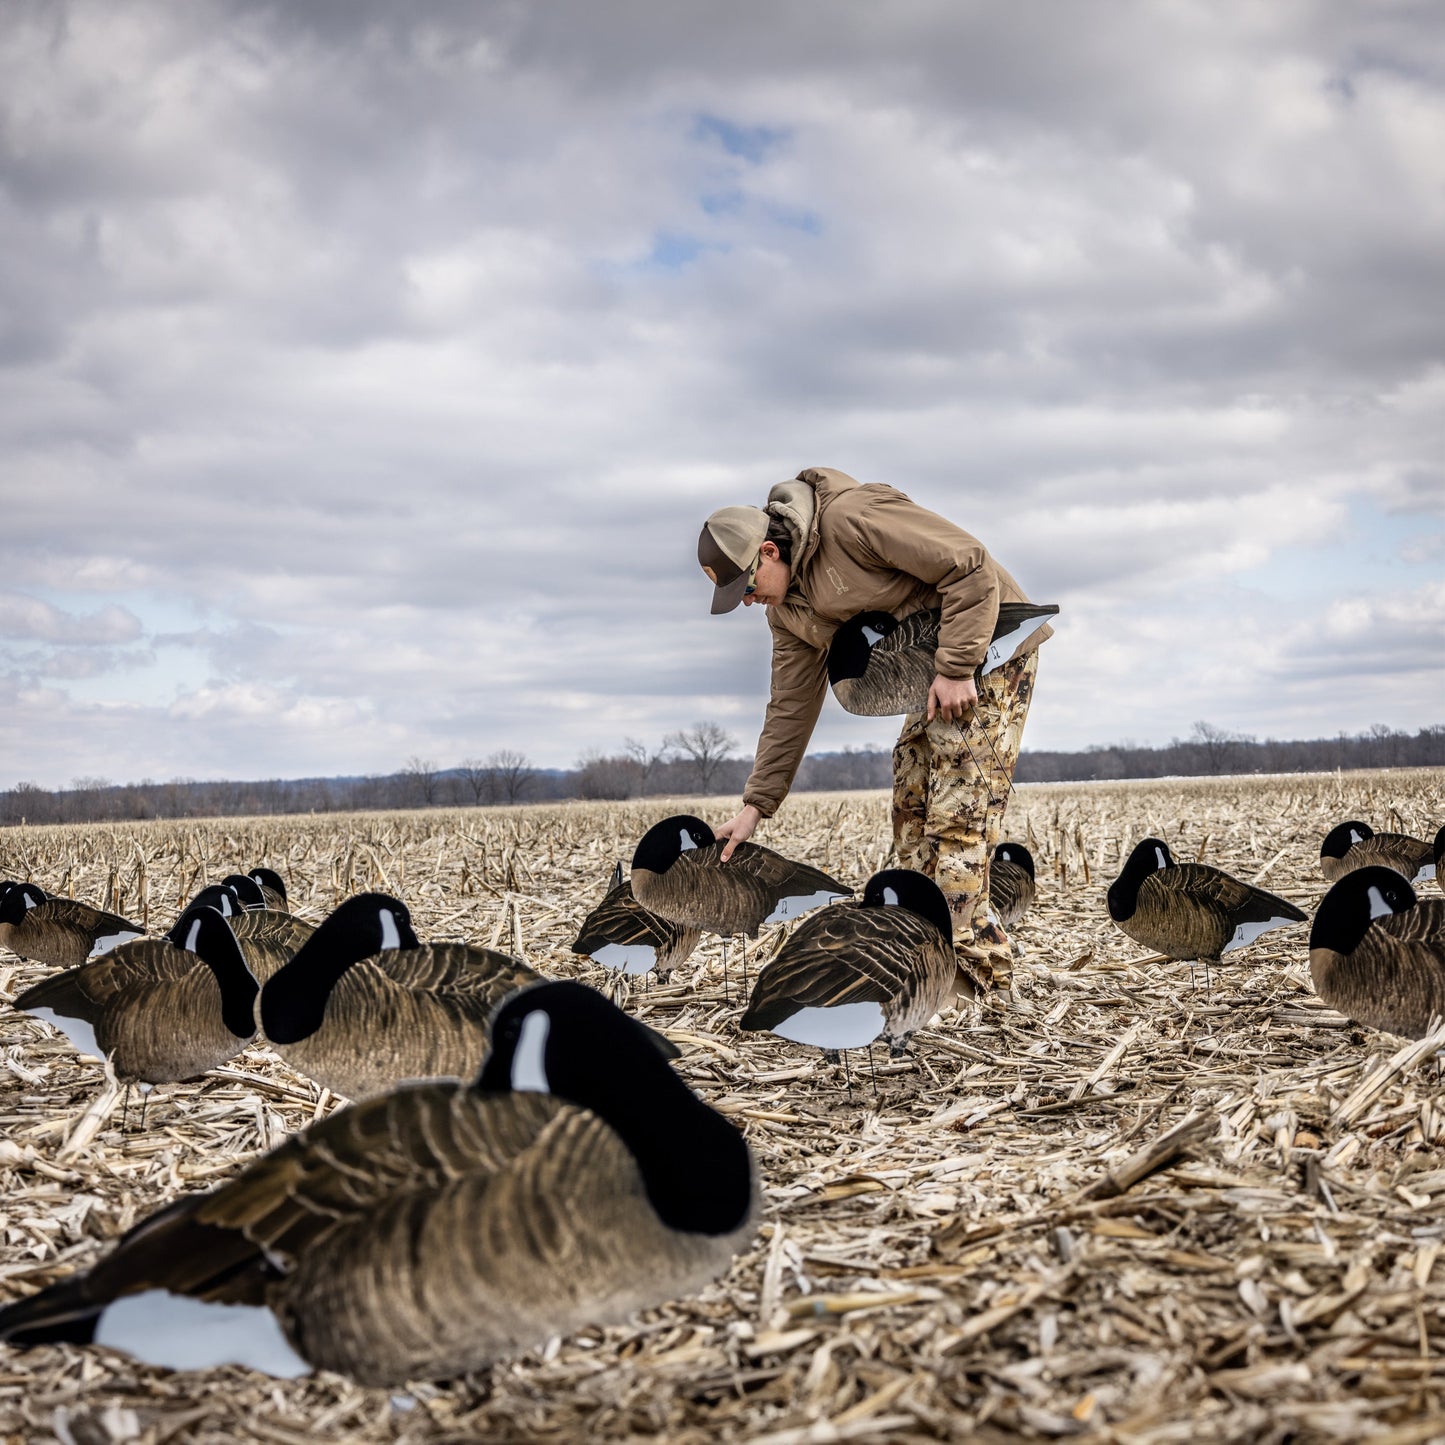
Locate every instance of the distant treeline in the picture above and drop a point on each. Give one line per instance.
(700, 759)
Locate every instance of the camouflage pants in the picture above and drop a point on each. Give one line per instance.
(950, 788)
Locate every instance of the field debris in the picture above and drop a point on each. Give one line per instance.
(1111, 1209)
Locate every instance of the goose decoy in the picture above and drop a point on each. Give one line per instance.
(269, 937)
(430, 1231)
(1377, 952)
(158, 1009)
(1439, 855)
(1010, 883)
(620, 933)
(273, 888)
(365, 1005)
(1356, 845)
(880, 665)
(856, 972)
(1190, 911)
(58, 931)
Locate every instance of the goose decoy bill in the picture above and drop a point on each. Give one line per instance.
(160, 1010)
(1377, 952)
(620, 933)
(61, 932)
(1352, 845)
(1191, 911)
(432, 1230)
(856, 972)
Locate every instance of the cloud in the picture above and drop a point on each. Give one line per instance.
(30, 619)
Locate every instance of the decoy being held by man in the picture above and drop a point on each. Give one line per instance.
(620, 933)
(159, 1010)
(365, 1005)
(1356, 845)
(58, 931)
(429, 1231)
(1377, 952)
(856, 972)
(1010, 883)
(269, 937)
(678, 872)
(1191, 911)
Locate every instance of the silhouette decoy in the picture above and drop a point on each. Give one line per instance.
(1352, 845)
(620, 933)
(61, 932)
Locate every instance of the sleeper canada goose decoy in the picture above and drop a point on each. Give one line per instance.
(273, 888)
(678, 872)
(856, 972)
(620, 933)
(365, 1005)
(58, 931)
(427, 1232)
(1356, 845)
(1191, 911)
(880, 665)
(269, 937)
(1377, 952)
(158, 1009)
(1010, 883)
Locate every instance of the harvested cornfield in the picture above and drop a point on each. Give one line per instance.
(1117, 1209)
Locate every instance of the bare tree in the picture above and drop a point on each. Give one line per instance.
(644, 761)
(601, 776)
(421, 778)
(707, 746)
(512, 771)
(478, 776)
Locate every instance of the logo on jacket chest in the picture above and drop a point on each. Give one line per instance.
(836, 578)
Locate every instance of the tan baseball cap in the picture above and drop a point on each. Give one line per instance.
(728, 551)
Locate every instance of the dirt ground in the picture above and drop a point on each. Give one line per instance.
(963, 1247)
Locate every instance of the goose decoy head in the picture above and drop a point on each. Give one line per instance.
(269, 878)
(1016, 854)
(1152, 855)
(18, 899)
(203, 930)
(665, 842)
(853, 644)
(905, 888)
(247, 890)
(219, 896)
(1347, 910)
(1341, 838)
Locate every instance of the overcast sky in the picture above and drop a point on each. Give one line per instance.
(367, 369)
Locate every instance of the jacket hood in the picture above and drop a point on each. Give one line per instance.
(797, 502)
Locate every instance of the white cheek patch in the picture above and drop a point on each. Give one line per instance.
(1159, 854)
(529, 1063)
(108, 941)
(390, 937)
(1003, 648)
(193, 935)
(797, 905)
(179, 1333)
(1378, 907)
(1248, 932)
(890, 898)
(873, 638)
(80, 1033)
(687, 842)
(29, 902)
(845, 1026)
(628, 957)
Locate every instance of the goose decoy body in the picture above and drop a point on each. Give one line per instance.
(427, 1232)
(856, 972)
(58, 931)
(365, 1005)
(880, 665)
(1010, 883)
(273, 888)
(620, 933)
(1377, 952)
(678, 872)
(269, 937)
(1190, 910)
(159, 1009)
(1352, 845)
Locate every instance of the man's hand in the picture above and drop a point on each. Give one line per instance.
(738, 830)
(951, 698)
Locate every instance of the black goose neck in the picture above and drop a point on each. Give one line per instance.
(211, 939)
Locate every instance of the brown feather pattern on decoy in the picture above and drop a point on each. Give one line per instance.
(1350, 846)
(621, 920)
(269, 939)
(61, 932)
(1010, 887)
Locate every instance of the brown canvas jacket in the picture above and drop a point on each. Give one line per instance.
(862, 548)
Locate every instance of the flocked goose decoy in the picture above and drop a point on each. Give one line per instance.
(1010, 883)
(269, 937)
(1356, 845)
(880, 665)
(1189, 910)
(1377, 952)
(273, 888)
(365, 1005)
(620, 933)
(427, 1232)
(159, 1009)
(856, 972)
(58, 931)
